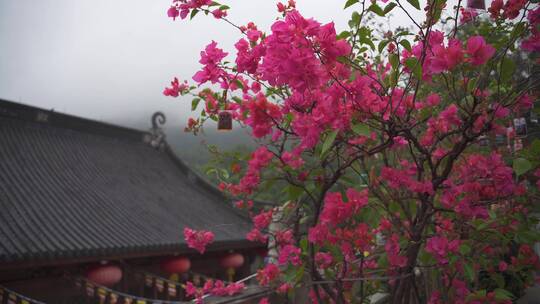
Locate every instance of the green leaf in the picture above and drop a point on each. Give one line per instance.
(376, 9)
(361, 129)
(528, 237)
(349, 3)
(304, 245)
(508, 68)
(415, 67)
(499, 279)
(535, 147)
(343, 35)
(503, 294)
(237, 99)
(393, 78)
(464, 249)
(521, 166)
(394, 207)
(382, 45)
(414, 3)
(425, 113)
(328, 141)
(225, 173)
(469, 271)
(195, 103)
(193, 13)
(366, 40)
(224, 7)
(389, 7)
(239, 83)
(394, 60)
(294, 192)
(355, 18)
(406, 44)
(477, 295)
(471, 84)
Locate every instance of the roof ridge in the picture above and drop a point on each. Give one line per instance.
(38, 115)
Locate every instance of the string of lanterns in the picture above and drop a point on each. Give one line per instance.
(106, 295)
(15, 297)
(100, 277)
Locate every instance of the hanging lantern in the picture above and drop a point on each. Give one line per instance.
(231, 262)
(224, 121)
(476, 4)
(176, 265)
(106, 275)
(262, 252)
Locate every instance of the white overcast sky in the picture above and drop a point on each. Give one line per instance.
(110, 59)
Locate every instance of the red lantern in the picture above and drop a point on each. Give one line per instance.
(106, 275)
(262, 252)
(476, 4)
(176, 265)
(231, 262)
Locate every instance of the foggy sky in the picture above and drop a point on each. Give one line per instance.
(110, 59)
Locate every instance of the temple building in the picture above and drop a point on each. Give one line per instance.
(94, 213)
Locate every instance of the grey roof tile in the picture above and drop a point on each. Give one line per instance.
(71, 188)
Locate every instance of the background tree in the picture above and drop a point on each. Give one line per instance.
(377, 141)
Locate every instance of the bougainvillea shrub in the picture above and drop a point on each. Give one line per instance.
(407, 168)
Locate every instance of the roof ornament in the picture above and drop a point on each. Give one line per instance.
(157, 140)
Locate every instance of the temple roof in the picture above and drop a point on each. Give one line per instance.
(73, 188)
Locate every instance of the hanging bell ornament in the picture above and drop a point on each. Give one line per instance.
(224, 121)
(476, 4)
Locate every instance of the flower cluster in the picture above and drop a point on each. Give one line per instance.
(183, 7)
(440, 247)
(198, 240)
(380, 148)
(211, 58)
(216, 288)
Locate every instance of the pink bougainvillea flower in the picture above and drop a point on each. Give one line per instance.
(478, 50)
(211, 58)
(284, 288)
(284, 237)
(263, 114)
(218, 14)
(198, 240)
(503, 266)
(323, 259)
(255, 235)
(289, 254)
(445, 59)
(173, 12)
(467, 15)
(269, 273)
(263, 219)
(220, 289)
(532, 43)
(513, 7)
(495, 8)
(392, 251)
(176, 88)
(440, 247)
(291, 160)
